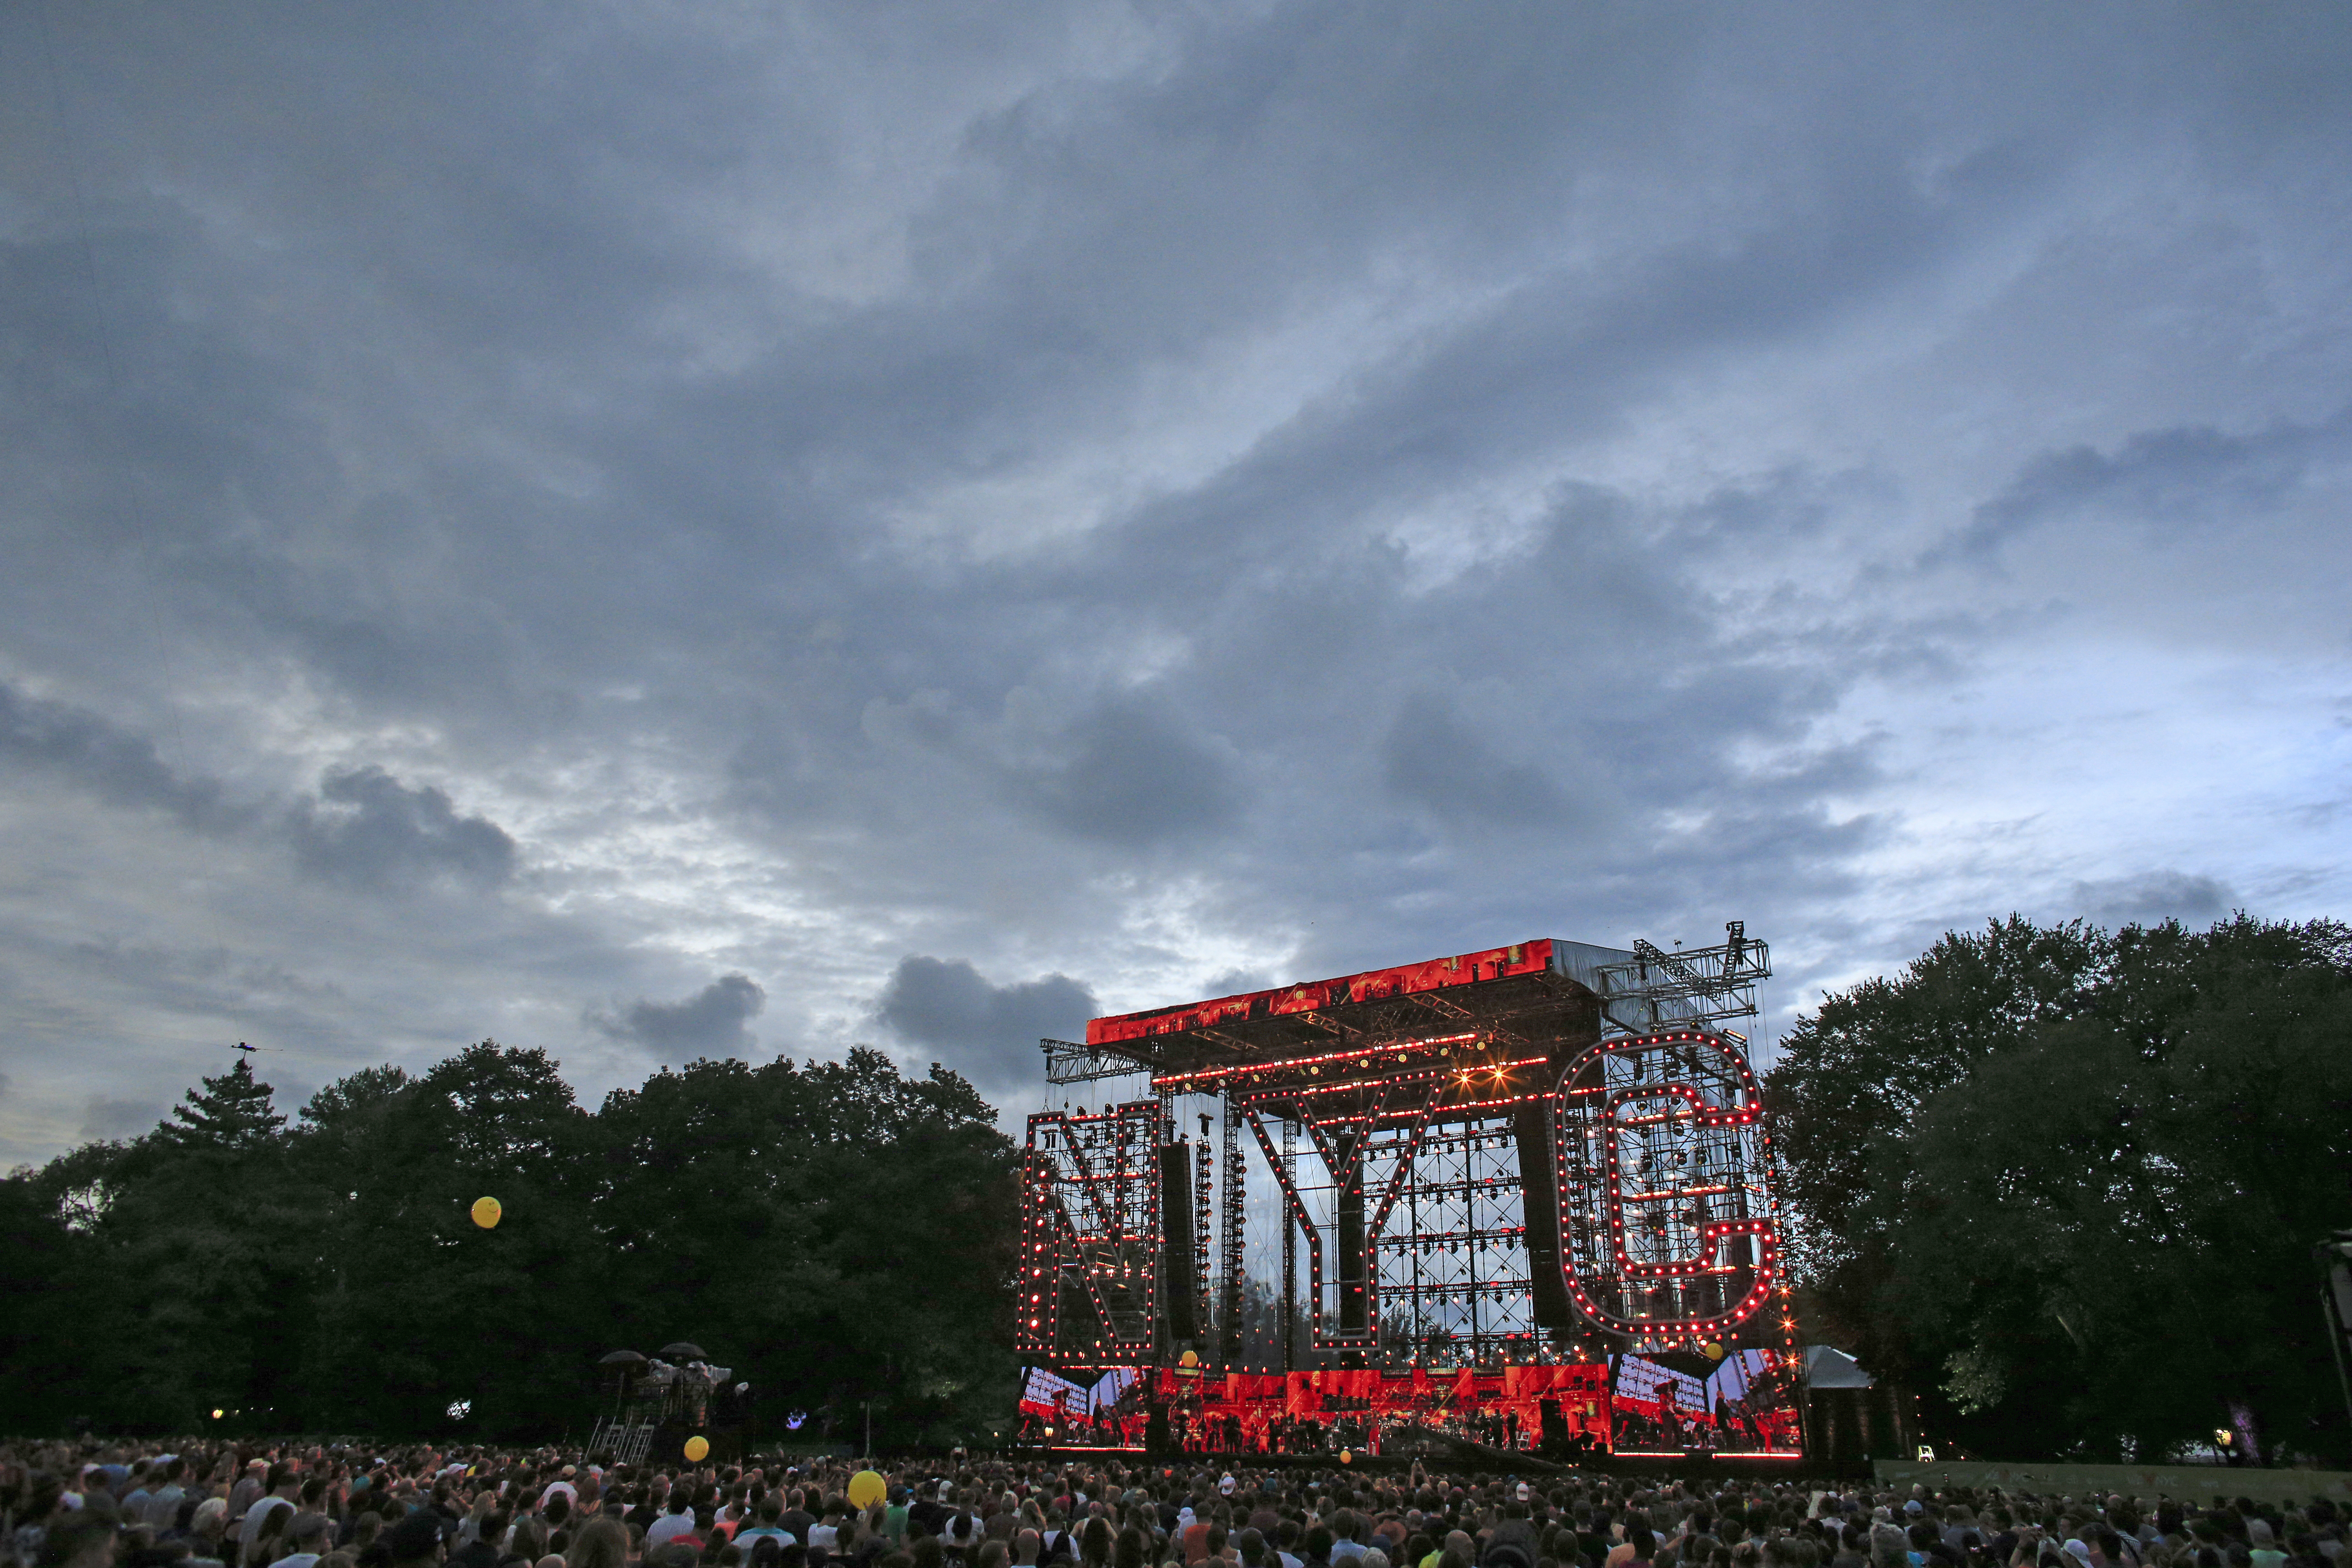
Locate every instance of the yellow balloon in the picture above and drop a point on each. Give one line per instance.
(1715, 1351)
(486, 1212)
(698, 1448)
(866, 1488)
(1346, 1457)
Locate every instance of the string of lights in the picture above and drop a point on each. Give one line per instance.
(1644, 1151)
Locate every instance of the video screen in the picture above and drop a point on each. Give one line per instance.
(1746, 1404)
(1107, 1412)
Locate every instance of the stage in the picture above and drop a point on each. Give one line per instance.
(1525, 1202)
(1487, 1463)
(1738, 1404)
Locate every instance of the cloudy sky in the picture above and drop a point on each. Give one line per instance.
(660, 530)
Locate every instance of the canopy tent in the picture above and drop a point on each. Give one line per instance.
(1829, 1368)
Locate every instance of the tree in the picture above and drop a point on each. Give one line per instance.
(434, 1306)
(850, 1228)
(50, 1268)
(230, 1115)
(1848, 1091)
(200, 1212)
(840, 1231)
(2094, 1229)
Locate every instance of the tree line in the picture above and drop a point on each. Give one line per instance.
(2063, 1182)
(835, 1232)
(2066, 1182)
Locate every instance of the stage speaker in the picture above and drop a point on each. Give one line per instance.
(1555, 1439)
(1354, 1267)
(1179, 1285)
(1539, 1197)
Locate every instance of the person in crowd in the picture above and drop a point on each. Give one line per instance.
(307, 1536)
(675, 1521)
(526, 1543)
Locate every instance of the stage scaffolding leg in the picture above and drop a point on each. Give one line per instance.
(1347, 1232)
(1289, 1259)
(1204, 1188)
(1470, 1224)
(1412, 1258)
(1230, 1264)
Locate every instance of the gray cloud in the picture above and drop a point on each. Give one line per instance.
(987, 1032)
(102, 1117)
(1434, 758)
(714, 1020)
(2151, 897)
(1146, 495)
(369, 829)
(116, 765)
(1131, 775)
(2171, 478)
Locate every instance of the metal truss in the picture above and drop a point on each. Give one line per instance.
(1286, 1167)
(1456, 1278)
(1231, 1260)
(1659, 990)
(1344, 1306)
(1668, 1225)
(1204, 1186)
(1090, 1236)
(1066, 1062)
(1412, 1200)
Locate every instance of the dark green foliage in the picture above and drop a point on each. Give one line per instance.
(231, 1114)
(2066, 1182)
(853, 1231)
(836, 1232)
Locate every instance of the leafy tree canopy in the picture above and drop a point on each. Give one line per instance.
(2066, 1182)
(837, 1231)
(231, 1113)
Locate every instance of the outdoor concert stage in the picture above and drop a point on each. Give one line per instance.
(1485, 1463)
(1532, 1186)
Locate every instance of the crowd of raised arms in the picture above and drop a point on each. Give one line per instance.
(196, 1505)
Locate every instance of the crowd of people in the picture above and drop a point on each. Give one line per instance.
(213, 1506)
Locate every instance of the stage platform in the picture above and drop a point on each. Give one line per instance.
(1486, 1462)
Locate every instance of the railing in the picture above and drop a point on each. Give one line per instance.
(628, 1441)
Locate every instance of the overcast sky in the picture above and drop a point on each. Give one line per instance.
(664, 531)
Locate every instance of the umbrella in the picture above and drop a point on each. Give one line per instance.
(684, 1350)
(620, 1358)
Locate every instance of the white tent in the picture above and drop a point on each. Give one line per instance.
(1829, 1368)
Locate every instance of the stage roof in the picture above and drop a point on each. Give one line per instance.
(1497, 989)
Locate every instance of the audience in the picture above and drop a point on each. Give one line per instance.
(212, 1505)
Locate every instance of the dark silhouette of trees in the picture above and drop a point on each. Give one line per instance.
(2062, 1182)
(837, 1232)
(230, 1115)
(2066, 1183)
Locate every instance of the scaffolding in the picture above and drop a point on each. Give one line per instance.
(1286, 1169)
(1204, 1187)
(1666, 1209)
(1233, 1210)
(1090, 1236)
(1505, 1152)
(627, 1440)
(1455, 1281)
